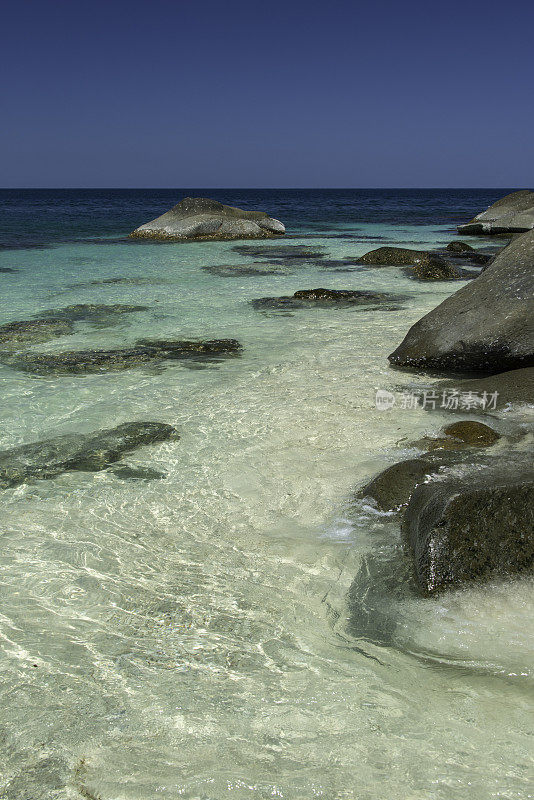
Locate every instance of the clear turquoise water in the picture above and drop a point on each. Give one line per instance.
(238, 629)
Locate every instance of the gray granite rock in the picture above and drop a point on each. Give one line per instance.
(202, 219)
(472, 527)
(513, 213)
(487, 326)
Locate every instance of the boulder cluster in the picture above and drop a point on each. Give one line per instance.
(467, 502)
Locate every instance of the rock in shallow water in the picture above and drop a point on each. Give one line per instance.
(513, 213)
(246, 270)
(487, 326)
(97, 314)
(423, 265)
(145, 351)
(34, 331)
(83, 452)
(474, 527)
(202, 219)
(284, 252)
(317, 298)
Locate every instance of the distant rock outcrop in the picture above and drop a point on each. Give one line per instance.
(486, 326)
(202, 219)
(513, 213)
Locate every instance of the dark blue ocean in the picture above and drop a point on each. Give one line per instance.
(41, 216)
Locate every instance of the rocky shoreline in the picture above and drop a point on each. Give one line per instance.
(466, 504)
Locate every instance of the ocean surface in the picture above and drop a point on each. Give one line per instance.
(240, 628)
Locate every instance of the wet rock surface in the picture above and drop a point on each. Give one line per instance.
(202, 219)
(473, 527)
(316, 298)
(393, 257)
(145, 351)
(486, 326)
(515, 386)
(461, 435)
(433, 268)
(391, 489)
(513, 213)
(81, 452)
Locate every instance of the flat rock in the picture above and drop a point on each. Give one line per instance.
(472, 528)
(487, 326)
(202, 219)
(97, 314)
(145, 351)
(245, 270)
(321, 298)
(513, 213)
(280, 252)
(515, 386)
(34, 331)
(86, 452)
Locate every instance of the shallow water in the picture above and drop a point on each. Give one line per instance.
(239, 628)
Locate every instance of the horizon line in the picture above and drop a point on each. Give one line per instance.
(242, 188)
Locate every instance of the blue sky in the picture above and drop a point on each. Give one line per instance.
(237, 94)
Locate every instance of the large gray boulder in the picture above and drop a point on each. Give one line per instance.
(475, 526)
(513, 213)
(201, 219)
(486, 326)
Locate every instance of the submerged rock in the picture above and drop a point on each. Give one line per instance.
(34, 331)
(246, 270)
(9, 270)
(145, 351)
(486, 326)
(285, 252)
(94, 313)
(85, 452)
(513, 213)
(316, 298)
(473, 527)
(128, 473)
(199, 218)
